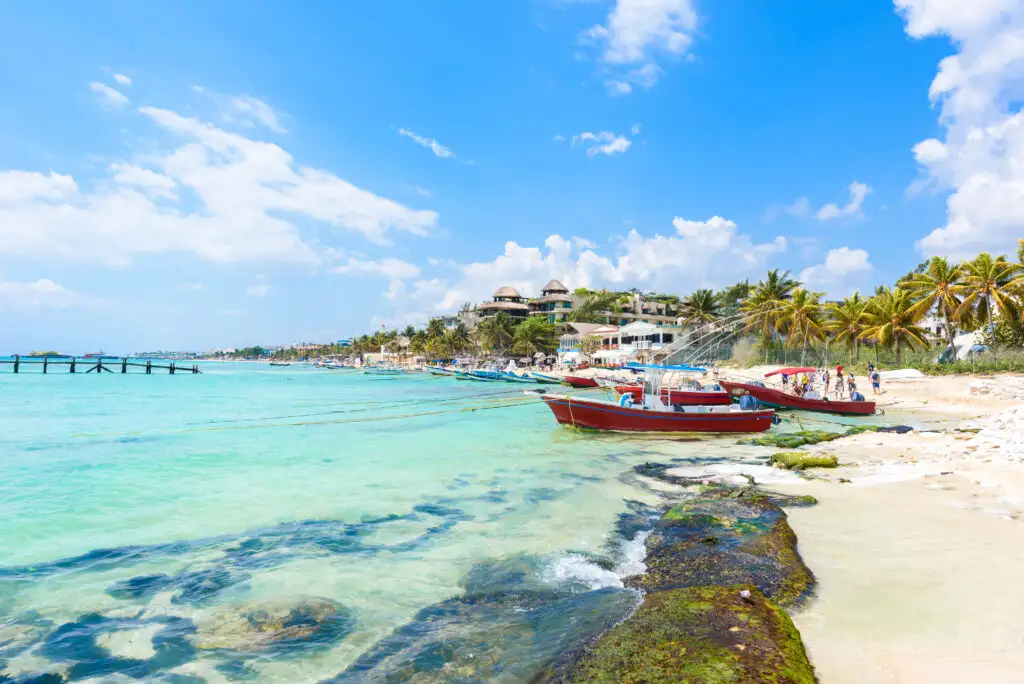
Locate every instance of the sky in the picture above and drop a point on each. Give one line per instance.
(191, 175)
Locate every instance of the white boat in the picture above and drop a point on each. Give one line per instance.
(383, 370)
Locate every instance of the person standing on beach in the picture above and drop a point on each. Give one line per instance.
(876, 381)
(826, 378)
(852, 384)
(785, 382)
(839, 380)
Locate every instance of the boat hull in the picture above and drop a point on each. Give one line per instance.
(680, 397)
(603, 415)
(779, 399)
(576, 381)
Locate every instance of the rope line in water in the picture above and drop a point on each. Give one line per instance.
(494, 405)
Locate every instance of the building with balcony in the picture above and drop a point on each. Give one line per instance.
(506, 299)
(554, 302)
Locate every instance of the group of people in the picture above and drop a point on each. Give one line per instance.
(803, 386)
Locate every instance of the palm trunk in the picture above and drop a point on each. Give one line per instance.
(897, 350)
(950, 335)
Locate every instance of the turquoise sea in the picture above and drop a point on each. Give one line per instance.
(269, 524)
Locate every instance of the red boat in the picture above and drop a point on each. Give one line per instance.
(779, 399)
(596, 414)
(576, 381)
(679, 397)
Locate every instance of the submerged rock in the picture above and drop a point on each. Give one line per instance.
(801, 460)
(78, 644)
(513, 636)
(277, 625)
(698, 635)
(707, 542)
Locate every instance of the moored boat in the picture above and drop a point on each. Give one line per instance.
(577, 381)
(780, 399)
(681, 397)
(383, 370)
(597, 414)
(544, 379)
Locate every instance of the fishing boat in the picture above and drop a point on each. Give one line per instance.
(469, 375)
(778, 398)
(383, 370)
(101, 356)
(682, 397)
(512, 377)
(280, 363)
(654, 414)
(437, 370)
(578, 382)
(544, 379)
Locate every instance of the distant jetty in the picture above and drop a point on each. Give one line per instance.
(51, 361)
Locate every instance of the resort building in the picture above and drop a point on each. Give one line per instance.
(634, 342)
(506, 299)
(555, 303)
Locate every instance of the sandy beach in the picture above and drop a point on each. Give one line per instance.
(917, 541)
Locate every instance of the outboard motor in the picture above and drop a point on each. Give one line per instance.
(749, 403)
(856, 396)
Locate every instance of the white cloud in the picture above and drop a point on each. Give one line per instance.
(422, 192)
(122, 79)
(19, 186)
(636, 129)
(616, 88)
(388, 267)
(605, 142)
(43, 293)
(979, 89)
(244, 195)
(257, 290)
(244, 109)
(559, 138)
(858, 193)
(107, 95)
(150, 182)
(844, 269)
(708, 253)
(437, 148)
(636, 31)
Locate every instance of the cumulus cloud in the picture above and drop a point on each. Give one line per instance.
(388, 267)
(635, 33)
(604, 142)
(42, 293)
(844, 269)
(107, 95)
(858, 193)
(978, 89)
(696, 254)
(437, 148)
(244, 195)
(122, 79)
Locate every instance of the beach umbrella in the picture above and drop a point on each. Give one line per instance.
(539, 355)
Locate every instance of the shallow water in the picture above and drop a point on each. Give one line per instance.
(164, 502)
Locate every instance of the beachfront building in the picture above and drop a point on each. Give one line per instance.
(569, 343)
(635, 341)
(555, 303)
(506, 299)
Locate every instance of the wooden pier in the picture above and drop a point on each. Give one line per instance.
(98, 366)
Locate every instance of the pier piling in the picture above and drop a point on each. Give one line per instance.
(94, 365)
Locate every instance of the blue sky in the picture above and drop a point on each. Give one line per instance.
(192, 175)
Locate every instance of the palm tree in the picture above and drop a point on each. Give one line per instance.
(938, 286)
(990, 283)
(892, 321)
(846, 321)
(799, 319)
(457, 338)
(593, 308)
(1020, 251)
(763, 304)
(495, 333)
(701, 306)
(535, 335)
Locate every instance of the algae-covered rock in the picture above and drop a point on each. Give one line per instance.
(709, 542)
(801, 460)
(698, 635)
(277, 625)
(795, 440)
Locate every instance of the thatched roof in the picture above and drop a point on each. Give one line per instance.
(554, 286)
(507, 291)
(553, 298)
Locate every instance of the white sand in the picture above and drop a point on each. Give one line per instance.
(919, 557)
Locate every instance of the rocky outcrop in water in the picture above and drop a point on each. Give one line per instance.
(698, 635)
(277, 625)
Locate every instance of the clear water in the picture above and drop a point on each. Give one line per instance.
(252, 482)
